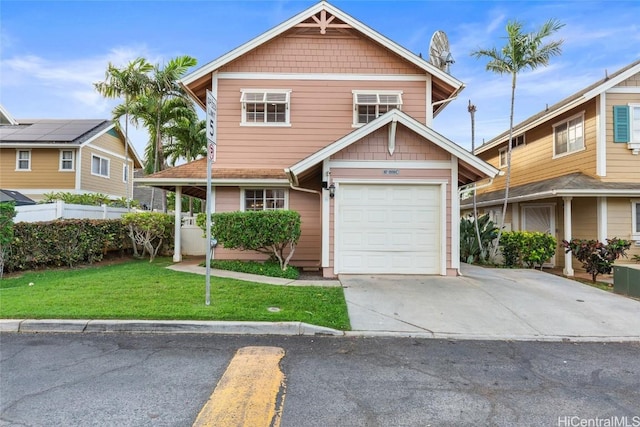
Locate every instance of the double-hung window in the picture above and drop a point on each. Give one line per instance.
(66, 160)
(265, 106)
(265, 199)
(626, 126)
(368, 106)
(23, 160)
(502, 155)
(568, 136)
(99, 166)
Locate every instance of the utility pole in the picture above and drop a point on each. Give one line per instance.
(472, 110)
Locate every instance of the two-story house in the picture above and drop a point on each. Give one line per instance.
(575, 167)
(327, 117)
(78, 156)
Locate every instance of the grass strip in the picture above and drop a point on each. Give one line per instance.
(141, 290)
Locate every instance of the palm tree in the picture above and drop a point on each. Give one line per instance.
(522, 51)
(187, 140)
(130, 81)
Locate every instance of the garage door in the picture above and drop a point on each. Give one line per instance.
(388, 229)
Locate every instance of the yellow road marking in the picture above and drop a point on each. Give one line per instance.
(250, 392)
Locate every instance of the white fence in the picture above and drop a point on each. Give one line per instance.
(61, 210)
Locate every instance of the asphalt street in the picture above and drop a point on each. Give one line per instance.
(165, 379)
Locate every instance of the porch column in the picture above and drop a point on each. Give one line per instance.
(177, 249)
(568, 268)
(602, 218)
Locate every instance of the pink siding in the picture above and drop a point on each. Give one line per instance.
(321, 112)
(321, 54)
(307, 253)
(409, 146)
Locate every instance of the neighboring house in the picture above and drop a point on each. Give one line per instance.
(77, 156)
(325, 116)
(575, 167)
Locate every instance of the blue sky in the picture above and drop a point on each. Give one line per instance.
(52, 51)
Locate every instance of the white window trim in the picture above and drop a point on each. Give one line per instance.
(567, 120)
(500, 151)
(633, 144)
(243, 201)
(287, 119)
(18, 159)
(108, 166)
(635, 230)
(356, 123)
(515, 138)
(72, 160)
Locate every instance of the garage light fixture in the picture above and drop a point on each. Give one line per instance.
(332, 191)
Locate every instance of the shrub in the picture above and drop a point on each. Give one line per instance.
(7, 212)
(90, 199)
(268, 232)
(63, 242)
(597, 257)
(527, 248)
(270, 269)
(149, 230)
(470, 250)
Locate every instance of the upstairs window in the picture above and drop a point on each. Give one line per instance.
(66, 160)
(517, 141)
(502, 155)
(568, 136)
(99, 166)
(265, 107)
(368, 106)
(264, 199)
(23, 160)
(635, 220)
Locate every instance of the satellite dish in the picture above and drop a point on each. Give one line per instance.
(439, 54)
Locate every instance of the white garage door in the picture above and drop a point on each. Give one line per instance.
(388, 229)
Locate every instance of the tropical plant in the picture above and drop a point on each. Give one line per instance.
(473, 249)
(158, 107)
(522, 51)
(597, 257)
(187, 139)
(527, 248)
(148, 230)
(128, 82)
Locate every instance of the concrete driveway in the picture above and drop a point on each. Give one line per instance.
(488, 303)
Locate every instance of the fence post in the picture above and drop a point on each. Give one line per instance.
(104, 211)
(59, 209)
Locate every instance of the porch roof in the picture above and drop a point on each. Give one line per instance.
(574, 184)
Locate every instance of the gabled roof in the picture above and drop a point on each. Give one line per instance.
(52, 131)
(299, 20)
(573, 184)
(59, 133)
(6, 118)
(476, 168)
(565, 105)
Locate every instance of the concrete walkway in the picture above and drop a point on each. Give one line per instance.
(490, 303)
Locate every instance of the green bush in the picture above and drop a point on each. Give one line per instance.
(268, 232)
(527, 248)
(268, 268)
(90, 199)
(64, 242)
(149, 231)
(597, 257)
(7, 212)
(470, 251)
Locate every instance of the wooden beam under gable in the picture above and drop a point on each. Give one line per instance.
(323, 21)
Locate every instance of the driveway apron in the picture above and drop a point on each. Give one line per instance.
(490, 304)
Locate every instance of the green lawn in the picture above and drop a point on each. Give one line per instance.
(142, 290)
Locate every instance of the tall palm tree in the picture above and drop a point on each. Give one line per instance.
(129, 82)
(522, 51)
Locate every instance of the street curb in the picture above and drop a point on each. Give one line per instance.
(164, 326)
(478, 337)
